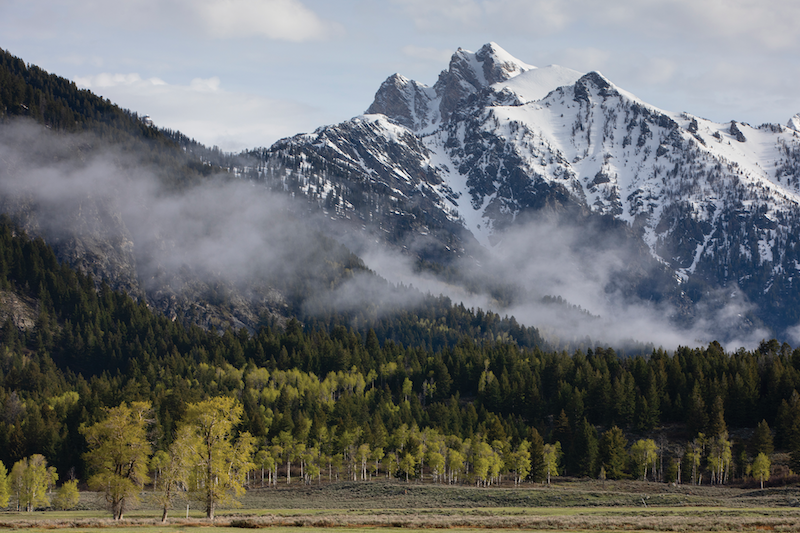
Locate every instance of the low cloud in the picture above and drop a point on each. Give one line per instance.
(239, 233)
(67, 187)
(561, 279)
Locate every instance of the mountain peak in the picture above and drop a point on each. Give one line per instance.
(499, 65)
(470, 72)
(412, 104)
(405, 101)
(794, 123)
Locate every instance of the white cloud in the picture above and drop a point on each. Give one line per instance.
(204, 110)
(105, 80)
(283, 20)
(746, 23)
(545, 16)
(207, 85)
(288, 20)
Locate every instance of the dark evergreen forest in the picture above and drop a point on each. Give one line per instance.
(93, 349)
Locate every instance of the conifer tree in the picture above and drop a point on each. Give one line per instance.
(613, 455)
(537, 459)
(762, 441)
(697, 419)
(584, 450)
(717, 425)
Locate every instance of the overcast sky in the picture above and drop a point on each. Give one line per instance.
(244, 73)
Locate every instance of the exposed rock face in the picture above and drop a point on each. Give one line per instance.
(469, 73)
(22, 311)
(404, 101)
(737, 133)
(417, 106)
(692, 195)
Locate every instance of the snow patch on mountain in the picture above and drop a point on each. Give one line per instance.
(536, 83)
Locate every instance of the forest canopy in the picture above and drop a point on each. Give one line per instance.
(333, 390)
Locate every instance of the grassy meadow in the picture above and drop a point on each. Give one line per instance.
(351, 506)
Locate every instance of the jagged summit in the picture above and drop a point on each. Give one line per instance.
(491, 64)
(405, 101)
(794, 123)
(418, 106)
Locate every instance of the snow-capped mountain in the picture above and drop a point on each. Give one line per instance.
(496, 142)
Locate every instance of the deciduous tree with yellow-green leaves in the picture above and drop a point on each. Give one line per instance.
(30, 479)
(551, 456)
(643, 453)
(5, 492)
(119, 453)
(761, 467)
(217, 461)
(67, 496)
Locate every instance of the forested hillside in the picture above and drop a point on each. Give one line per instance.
(342, 394)
(27, 91)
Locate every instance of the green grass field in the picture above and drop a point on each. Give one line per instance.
(351, 506)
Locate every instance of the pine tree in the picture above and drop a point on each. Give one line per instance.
(761, 441)
(613, 455)
(584, 450)
(538, 472)
(717, 425)
(697, 419)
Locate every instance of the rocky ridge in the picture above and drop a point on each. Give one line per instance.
(496, 141)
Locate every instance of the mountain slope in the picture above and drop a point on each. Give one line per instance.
(154, 214)
(705, 214)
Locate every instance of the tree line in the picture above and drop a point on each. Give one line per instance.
(212, 461)
(327, 387)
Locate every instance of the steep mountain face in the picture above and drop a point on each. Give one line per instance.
(698, 207)
(418, 107)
